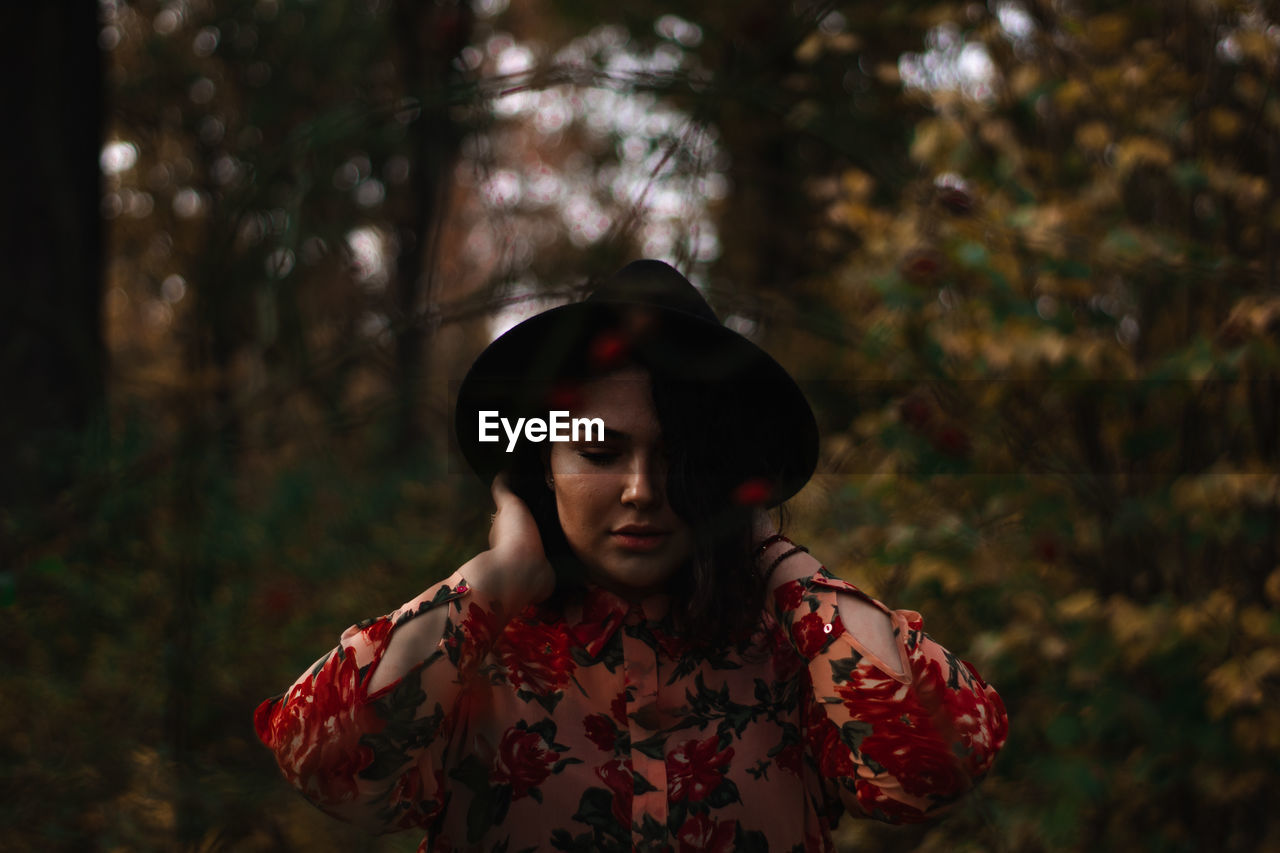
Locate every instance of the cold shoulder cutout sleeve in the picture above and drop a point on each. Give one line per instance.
(376, 759)
(897, 741)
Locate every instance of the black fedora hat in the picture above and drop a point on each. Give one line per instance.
(651, 315)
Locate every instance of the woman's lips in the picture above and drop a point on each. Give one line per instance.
(639, 539)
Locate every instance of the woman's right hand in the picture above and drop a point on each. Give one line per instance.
(516, 547)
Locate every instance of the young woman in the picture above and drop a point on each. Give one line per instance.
(638, 661)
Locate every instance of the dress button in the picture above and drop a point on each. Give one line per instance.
(826, 629)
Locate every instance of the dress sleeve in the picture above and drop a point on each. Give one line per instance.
(898, 748)
(376, 759)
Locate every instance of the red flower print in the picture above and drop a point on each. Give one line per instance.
(912, 728)
(479, 625)
(786, 663)
(992, 727)
(423, 807)
(695, 768)
(316, 732)
(673, 647)
(812, 633)
(531, 747)
(703, 833)
(789, 595)
(476, 634)
(873, 697)
(823, 738)
(932, 690)
(618, 707)
(914, 621)
(963, 716)
(924, 766)
(523, 761)
(376, 634)
(616, 774)
(873, 800)
(601, 731)
(601, 615)
(536, 656)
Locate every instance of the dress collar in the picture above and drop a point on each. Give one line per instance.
(595, 614)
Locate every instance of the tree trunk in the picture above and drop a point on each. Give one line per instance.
(52, 358)
(430, 36)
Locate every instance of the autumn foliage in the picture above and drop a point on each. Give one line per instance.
(1023, 256)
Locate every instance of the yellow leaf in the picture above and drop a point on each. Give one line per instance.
(1128, 622)
(1023, 79)
(1272, 587)
(1109, 32)
(1239, 682)
(1093, 136)
(1249, 88)
(1257, 623)
(1219, 606)
(1071, 94)
(887, 74)
(1254, 44)
(1053, 648)
(1142, 150)
(810, 49)
(925, 567)
(935, 139)
(857, 184)
(1078, 605)
(1224, 123)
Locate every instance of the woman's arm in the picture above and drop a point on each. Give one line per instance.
(362, 733)
(512, 574)
(899, 724)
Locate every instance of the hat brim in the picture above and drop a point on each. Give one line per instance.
(514, 373)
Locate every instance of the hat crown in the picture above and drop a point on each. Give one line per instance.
(657, 284)
(670, 330)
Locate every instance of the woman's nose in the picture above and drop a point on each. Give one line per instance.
(641, 487)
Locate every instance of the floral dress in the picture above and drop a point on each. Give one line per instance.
(592, 728)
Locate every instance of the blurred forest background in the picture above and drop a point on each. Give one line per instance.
(1022, 253)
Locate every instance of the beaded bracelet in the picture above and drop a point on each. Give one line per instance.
(796, 550)
(764, 546)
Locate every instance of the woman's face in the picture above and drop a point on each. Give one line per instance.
(611, 494)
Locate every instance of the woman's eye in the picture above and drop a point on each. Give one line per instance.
(598, 457)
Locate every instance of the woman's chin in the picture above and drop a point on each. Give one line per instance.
(630, 581)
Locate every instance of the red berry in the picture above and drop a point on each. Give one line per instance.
(1046, 548)
(956, 200)
(915, 411)
(952, 441)
(921, 266)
